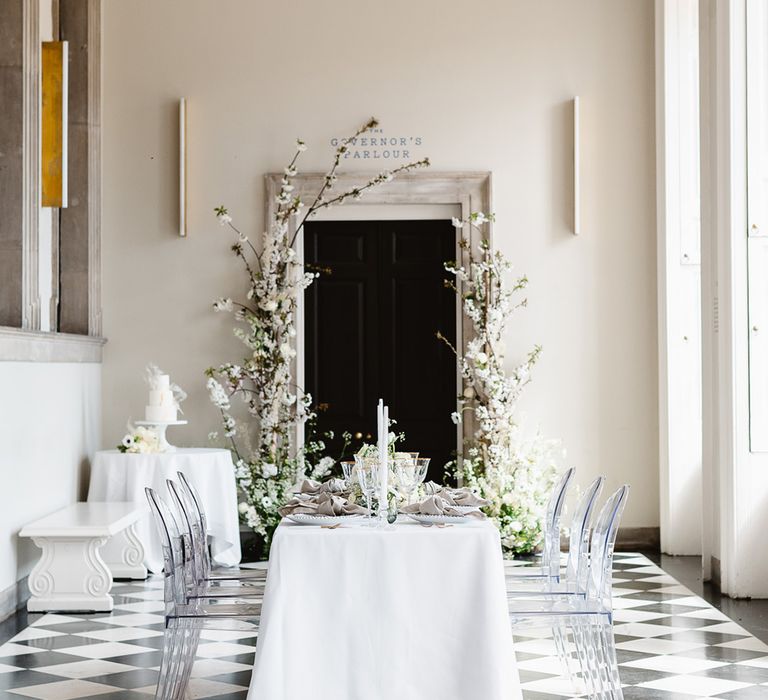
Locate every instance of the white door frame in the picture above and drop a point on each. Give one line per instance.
(469, 190)
(678, 269)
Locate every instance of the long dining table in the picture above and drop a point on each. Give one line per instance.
(366, 613)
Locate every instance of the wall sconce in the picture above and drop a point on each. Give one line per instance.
(183, 167)
(576, 165)
(53, 147)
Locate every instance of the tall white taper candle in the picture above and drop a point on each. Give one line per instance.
(380, 437)
(384, 478)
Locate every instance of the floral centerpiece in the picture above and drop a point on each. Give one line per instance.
(140, 440)
(268, 469)
(513, 471)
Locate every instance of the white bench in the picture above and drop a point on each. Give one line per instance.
(85, 546)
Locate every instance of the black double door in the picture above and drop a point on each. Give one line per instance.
(370, 329)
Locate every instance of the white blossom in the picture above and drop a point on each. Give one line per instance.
(503, 464)
(268, 305)
(217, 394)
(262, 381)
(223, 304)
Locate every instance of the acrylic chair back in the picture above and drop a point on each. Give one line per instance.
(173, 551)
(603, 543)
(578, 546)
(198, 511)
(190, 526)
(551, 555)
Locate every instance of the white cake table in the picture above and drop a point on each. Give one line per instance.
(411, 613)
(123, 477)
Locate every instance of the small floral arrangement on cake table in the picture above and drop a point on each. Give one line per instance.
(139, 440)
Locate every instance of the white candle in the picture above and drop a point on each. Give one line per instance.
(384, 478)
(379, 423)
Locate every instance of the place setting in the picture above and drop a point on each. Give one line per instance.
(377, 490)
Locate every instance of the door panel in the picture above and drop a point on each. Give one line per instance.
(370, 331)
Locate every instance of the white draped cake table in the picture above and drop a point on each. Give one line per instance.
(123, 477)
(411, 613)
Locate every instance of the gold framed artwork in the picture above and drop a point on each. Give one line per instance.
(53, 147)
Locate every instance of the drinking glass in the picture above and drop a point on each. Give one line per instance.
(406, 473)
(366, 477)
(348, 469)
(422, 464)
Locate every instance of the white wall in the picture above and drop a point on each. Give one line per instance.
(49, 427)
(487, 85)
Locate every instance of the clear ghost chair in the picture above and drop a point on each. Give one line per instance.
(550, 556)
(577, 567)
(574, 579)
(185, 616)
(590, 617)
(197, 514)
(194, 546)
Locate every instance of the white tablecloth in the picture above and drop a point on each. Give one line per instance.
(122, 477)
(412, 613)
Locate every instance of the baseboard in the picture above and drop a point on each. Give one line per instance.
(639, 539)
(13, 597)
(716, 576)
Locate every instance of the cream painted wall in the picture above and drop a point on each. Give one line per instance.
(487, 85)
(49, 428)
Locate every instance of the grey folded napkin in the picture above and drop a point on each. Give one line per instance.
(314, 488)
(437, 505)
(322, 504)
(458, 497)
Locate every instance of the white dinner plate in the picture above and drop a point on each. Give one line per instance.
(438, 519)
(466, 509)
(312, 519)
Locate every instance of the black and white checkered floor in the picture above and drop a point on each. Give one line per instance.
(671, 645)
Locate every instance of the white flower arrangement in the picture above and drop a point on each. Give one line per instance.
(514, 472)
(267, 472)
(139, 440)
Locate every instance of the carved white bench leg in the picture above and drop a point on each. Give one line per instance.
(124, 554)
(71, 575)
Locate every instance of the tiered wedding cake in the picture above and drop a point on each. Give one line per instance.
(162, 406)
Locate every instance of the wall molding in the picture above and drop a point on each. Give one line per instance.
(639, 539)
(94, 167)
(630, 539)
(716, 579)
(31, 167)
(80, 222)
(18, 345)
(13, 598)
